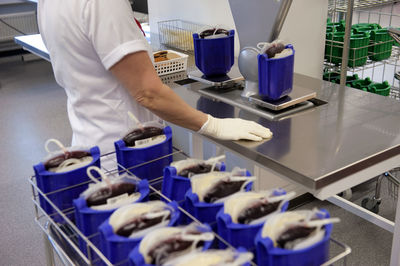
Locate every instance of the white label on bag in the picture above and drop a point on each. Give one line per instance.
(149, 141)
(117, 198)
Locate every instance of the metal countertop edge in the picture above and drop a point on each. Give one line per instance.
(328, 179)
(33, 49)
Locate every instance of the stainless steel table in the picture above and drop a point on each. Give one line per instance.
(326, 149)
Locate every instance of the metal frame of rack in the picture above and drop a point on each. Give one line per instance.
(63, 238)
(178, 33)
(342, 5)
(361, 12)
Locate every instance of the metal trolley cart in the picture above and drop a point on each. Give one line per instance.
(62, 239)
(392, 176)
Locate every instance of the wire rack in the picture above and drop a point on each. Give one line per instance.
(360, 63)
(394, 181)
(341, 5)
(178, 34)
(63, 237)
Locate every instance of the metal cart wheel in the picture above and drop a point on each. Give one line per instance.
(347, 194)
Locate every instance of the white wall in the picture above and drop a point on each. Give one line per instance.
(304, 27)
(387, 15)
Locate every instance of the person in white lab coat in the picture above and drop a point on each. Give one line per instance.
(102, 60)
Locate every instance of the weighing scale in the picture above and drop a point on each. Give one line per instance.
(239, 87)
(229, 89)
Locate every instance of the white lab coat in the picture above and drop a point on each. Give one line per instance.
(85, 38)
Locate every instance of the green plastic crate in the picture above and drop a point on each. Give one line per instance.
(333, 51)
(396, 43)
(330, 29)
(380, 88)
(364, 27)
(335, 78)
(358, 52)
(337, 26)
(381, 47)
(331, 76)
(362, 84)
(370, 26)
(349, 80)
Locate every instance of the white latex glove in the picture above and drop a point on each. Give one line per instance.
(234, 129)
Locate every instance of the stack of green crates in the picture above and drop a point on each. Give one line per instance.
(362, 84)
(358, 52)
(362, 27)
(336, 26)
(368, 40)
(349, 80)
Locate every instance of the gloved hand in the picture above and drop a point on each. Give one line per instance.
(234, 129)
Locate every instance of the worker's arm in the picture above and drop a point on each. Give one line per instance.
(136, 72)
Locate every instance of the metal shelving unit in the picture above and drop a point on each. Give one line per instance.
(341, 5)
(379, 12)
(360, 63)
(62, 238)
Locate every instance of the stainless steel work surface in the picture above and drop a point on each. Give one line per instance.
(323, 144)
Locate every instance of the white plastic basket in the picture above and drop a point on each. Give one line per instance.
(172, 65)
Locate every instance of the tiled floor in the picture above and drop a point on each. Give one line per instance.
(33, 109)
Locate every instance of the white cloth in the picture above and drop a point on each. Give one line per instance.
(85, 38)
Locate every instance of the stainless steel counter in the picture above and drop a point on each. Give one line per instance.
(321, 145)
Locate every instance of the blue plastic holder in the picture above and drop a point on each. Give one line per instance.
(214, 57)
(136, 258)
(130, 157)
(203, 211)
(315, 255)
(117, 248)
(88, 220)
(275, 76)
(174, 186)
(241, 235)
(48, 182)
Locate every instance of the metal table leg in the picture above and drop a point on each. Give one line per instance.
(196, 146)
(395, 257)
(48, 249)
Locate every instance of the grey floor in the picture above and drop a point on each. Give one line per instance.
(33, 109)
